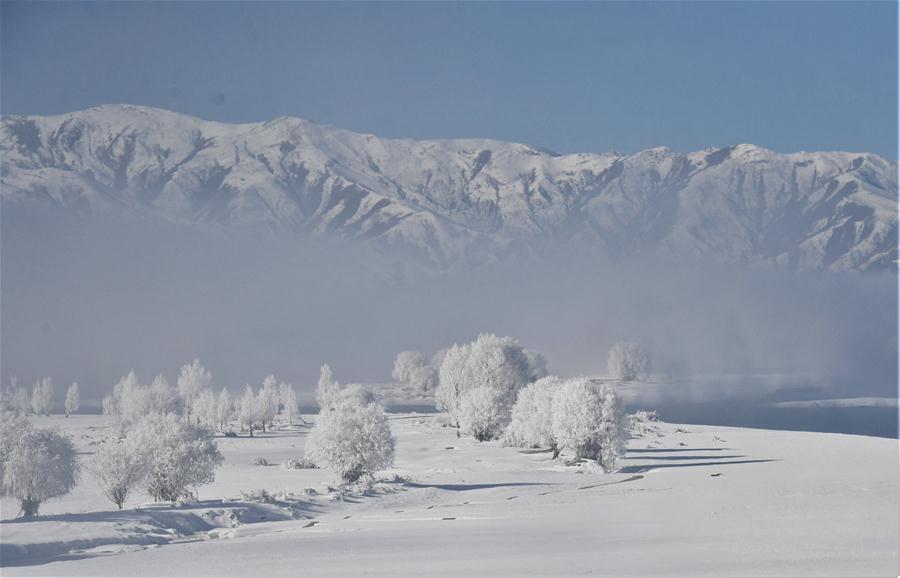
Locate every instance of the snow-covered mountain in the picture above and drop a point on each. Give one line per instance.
(459, 202)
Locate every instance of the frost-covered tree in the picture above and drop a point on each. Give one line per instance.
(130, 400)
(412, 368)
(112, 402)
(42, 396)
(192, 379)
(180, 455)
(73, 399)
(587, 420)
(247, 410)
(481, 413)
(38, 464)
(12, 424)
(537, 364)
(22, 400)
(351, 437)
(628, 362)
(453, 381)
(498, 363)
(267, 401)
(117, 469)
(532, 416)
(163, 397)
(224, 409)
(326, 388)
(205, 409)
(288, 401)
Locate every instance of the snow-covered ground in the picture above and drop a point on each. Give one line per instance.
(688, 500)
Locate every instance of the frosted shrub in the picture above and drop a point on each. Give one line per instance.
(587, 420)
(301, 464)
(260, 462)
(351, 436)
(73, 399)
(481, 413)
(180, 456)
(628, 362)
(38, 464)
(641, 422)
(261, 496)
(117, 469)
(532, 416)
(411, 368)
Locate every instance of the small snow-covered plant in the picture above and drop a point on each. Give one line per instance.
(261, 496)
(73, 399)
(38, 464)
(481, 413)
(412, 368)
(351, 436)
(192, 379)
(260, 462)
(180, 456)
(42, 396)
(641, 422)
(628, 362)
(587, 420)
(532, 416)
(294, 464)
(117, 469)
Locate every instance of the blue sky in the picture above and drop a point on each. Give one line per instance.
(569, 77)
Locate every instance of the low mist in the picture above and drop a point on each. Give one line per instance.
(87, 300)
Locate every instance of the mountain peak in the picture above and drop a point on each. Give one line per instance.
(449, 203)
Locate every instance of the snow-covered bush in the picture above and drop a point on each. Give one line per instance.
(37, 464)
(42, 396)
(12, 425)
(267, 401)
(481, 413)
(192, 379)
(260, 462)
(117, 469)
(497, 363)
(628, 362)
(351, 436)
(532, 415)
(180, 456)
(587, 420)
(412, 368)
(261, 496)
(73, 399)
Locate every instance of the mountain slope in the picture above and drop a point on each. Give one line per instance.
(459, 202)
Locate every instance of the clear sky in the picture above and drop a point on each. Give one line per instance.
(566, 76)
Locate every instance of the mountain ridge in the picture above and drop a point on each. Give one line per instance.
(459, 202)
